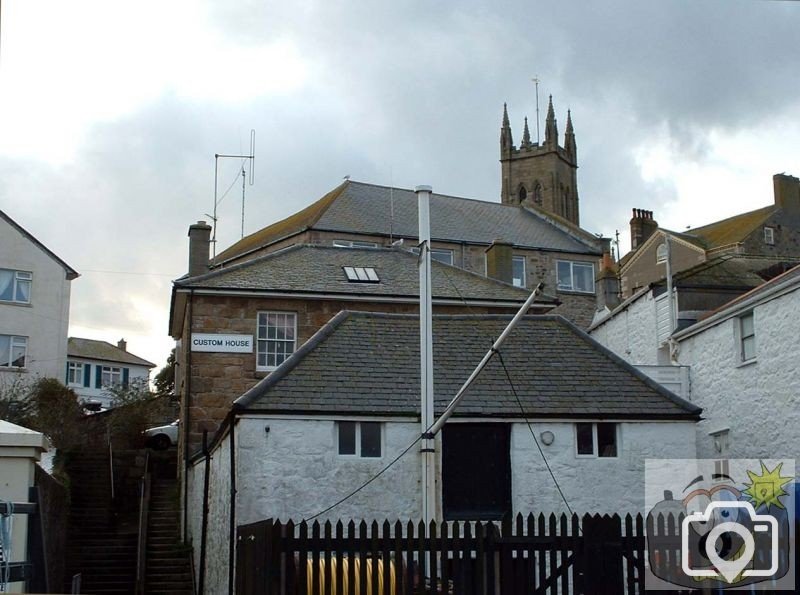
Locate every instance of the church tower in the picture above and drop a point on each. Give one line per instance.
(543, 175)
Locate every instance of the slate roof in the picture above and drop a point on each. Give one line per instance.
(313, 268)
(70, 272)
(368, 363)
(356, 207)
(731, 230)
(733, 270)
(101, 350)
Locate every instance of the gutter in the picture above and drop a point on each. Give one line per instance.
(359, 297)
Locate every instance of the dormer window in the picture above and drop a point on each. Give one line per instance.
(769, 236)
(361, 275)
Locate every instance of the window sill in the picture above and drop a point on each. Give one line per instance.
(13, 303)
(749, 362)
(574, 292)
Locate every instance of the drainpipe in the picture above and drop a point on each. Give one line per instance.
(185, 422)
(232, 536)
(204, 530)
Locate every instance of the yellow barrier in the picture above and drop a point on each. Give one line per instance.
(356, 590)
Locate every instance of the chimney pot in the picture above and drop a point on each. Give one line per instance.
(642, 227)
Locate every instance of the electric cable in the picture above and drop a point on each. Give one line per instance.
(369, 481)
(533, 434)
(235, 179)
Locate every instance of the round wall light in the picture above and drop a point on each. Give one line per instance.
(547, 437)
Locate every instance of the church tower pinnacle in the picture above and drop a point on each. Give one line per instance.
(550, 126)
(541, 175)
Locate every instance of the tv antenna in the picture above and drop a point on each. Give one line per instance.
(535, 80)
(217, 157)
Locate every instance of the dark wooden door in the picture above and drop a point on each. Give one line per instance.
(476, 471)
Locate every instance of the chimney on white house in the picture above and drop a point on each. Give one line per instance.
(122, 344)
(199, 241)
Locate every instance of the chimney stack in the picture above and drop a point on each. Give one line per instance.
(787, 192)
(499, 261)
(607, 286)
(122, 344)
(199, 240)
(642, 227)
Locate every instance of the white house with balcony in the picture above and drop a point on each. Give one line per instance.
(744, 373)
(737, 361)
(95, 367)
(34, 306)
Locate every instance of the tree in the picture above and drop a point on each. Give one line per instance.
(46, 406)
(165, 379)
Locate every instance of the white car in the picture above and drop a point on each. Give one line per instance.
(162, 437)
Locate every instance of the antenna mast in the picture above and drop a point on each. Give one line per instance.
(535, 80)
(217, 156)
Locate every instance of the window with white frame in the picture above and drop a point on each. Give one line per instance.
(110, 376)
(353, 244)
(518, 271)
(575, 276)
(769, 236)
(747, 337)
(359, 438)
(361, 275)
(15, 286)
(596, 440)
(277, 337)
(75, 373)
(13, 351)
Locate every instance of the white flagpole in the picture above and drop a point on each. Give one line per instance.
(426, 355)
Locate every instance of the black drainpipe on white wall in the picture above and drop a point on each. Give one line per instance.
(232, 536)
(204, 529)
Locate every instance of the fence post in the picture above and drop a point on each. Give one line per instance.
(602, 555)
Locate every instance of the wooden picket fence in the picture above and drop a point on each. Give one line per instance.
(551, 554)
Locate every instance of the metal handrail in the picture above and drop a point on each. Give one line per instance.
(111, 463)
(144, 513)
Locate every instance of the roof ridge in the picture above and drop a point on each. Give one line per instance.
(40, 245)
(726, 219)
(305, 218)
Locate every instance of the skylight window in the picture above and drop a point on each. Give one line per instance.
(361, 275)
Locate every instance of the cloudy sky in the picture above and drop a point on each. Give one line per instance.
(111, 113)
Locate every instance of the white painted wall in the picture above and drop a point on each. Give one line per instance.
(631, 333)
(591, 485)
(219, 499)
(293, 471)
(45, 320)
(758, 401)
